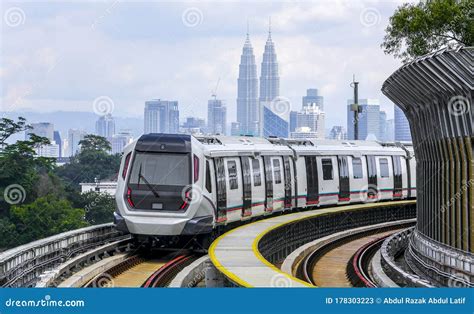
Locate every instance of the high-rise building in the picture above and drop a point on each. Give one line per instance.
(338, 133)
(73, 138)
(105, 126)
(120, 140)
(216, 117)
(193, 125)
(382, 126)
(312, 98)
(369, 119)
(59, 142)
(304, 132)
(311, 117)
(235, 129)
(402, 127)
(390, 130)
(274, 110)
(161, 116)
(43, 129)
(247, 92)
(293, 120)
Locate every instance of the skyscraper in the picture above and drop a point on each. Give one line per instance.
(59, 142)
(105, 126)
(402, 127)
(216, 117)
(120, 140)
(337, 133)
(73, 139)
(312, 97)
(247, 91)
(369, 119)
(382, 126)
(312, 118)
(274, 110)
(161, 116)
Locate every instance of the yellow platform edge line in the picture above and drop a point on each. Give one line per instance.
(258, 255)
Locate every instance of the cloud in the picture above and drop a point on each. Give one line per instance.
(67, 54)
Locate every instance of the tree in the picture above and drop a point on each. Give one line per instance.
(99, 207)
(92, 162)
(44, 217)
(417, 29)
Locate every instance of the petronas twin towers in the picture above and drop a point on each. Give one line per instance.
(250, 107)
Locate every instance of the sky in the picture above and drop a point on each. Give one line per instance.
(112, 56)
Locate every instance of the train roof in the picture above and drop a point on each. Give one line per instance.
(220, 145)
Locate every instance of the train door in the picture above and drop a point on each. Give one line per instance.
(372, 186)
(258, 187)
(288, 182)
(302, 184)
(246, 187)
(267, 163)
(221, 190)
(344, 183)
(385, 177)
(312, 181)
(278, 184)
(412, 176)
(210, 184)
(328, 180)
(397, 177)
(358, 178)
(234, 188)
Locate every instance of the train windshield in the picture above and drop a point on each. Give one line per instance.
(160, 169)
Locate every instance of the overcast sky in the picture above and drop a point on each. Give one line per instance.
(63, 55)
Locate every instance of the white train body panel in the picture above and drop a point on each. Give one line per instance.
(171, 185)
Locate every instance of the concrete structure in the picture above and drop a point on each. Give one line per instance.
(105, 126)
(216, 117)
(59, 142)
(436, 94)
(108, 187)
(161, 116)
(247, 92)
(402, 127)
(293, 120)
(369, 119)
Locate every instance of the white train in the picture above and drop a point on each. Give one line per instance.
(174, 185)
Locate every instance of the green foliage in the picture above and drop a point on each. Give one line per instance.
(44, 217)
(93, 161)
(417, 29)
(99, 207)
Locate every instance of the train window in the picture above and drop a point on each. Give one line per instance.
(257, 175)
(357, 168)
(277, 170)
(208, 177)
(327, 169)
(383, 162)
(232, 168)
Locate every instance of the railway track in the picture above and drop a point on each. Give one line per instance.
(344, 262)
(140, 271)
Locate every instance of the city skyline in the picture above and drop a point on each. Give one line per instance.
(304, 42)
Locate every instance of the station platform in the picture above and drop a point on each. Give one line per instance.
(235, 254)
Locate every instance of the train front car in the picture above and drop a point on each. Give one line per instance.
(159, 193)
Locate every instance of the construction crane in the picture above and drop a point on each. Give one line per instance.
(214, 92)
